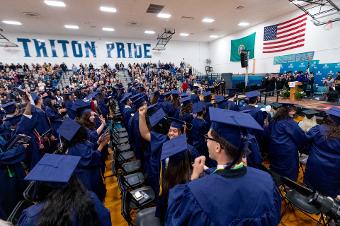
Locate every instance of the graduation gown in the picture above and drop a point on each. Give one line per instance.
(201, 127)
(55, 119)
(285, 137)
(127, 111)
(12, 182)
(30, 216)
(194, 98)
(89, 167)
(323, 164)
(244, 196)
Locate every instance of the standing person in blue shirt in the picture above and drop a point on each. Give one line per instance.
(63, 200)
(285, 137)
(323, 164)
(233, 194)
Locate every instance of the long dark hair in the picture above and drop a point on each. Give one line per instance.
(187, 108)
(282, 113)
(177, 172)
(85, 120)
(175, 101)
(69, 203)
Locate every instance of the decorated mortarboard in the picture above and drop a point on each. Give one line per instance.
(334, 113)
(252, 94)
(185, 100)
(13, 120)
(68, 129)
(231, 124)
(276, 105)
(207, 94)
(157, 117)
(219, 99)
(54, 168)
(174, 146)
(198, 107)
(9, 107)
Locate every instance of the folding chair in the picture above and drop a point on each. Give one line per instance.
(147, 198)
(146, 217)
(131, 181)
(131, 167)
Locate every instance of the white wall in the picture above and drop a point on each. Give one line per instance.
(325, 43)
(194, 53)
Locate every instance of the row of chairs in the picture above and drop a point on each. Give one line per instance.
(137, 199)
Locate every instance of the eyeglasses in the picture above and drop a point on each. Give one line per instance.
(209, 138)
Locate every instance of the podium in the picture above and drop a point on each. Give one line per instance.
(293, 89)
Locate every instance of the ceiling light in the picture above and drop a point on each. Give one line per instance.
(243, 24)
(71, 26)
(55, 3)
(11, 22)
(164, 15)
(208, 20)
(149, 32)
(184, 34)
(214, 36)
(108, 29)
(108, 9)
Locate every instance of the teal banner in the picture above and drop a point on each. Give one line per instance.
(307, 56)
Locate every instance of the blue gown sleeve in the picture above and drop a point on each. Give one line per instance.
(296, 133)
(103, 213)
(183, 209)
(13, 155)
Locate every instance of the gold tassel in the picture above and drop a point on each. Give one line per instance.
(161, 180)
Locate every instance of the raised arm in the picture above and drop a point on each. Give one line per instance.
(143, 127)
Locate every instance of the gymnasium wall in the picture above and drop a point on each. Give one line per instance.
(36, 48)
(325, 43)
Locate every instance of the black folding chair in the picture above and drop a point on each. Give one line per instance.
(146, 217)
(131, 167)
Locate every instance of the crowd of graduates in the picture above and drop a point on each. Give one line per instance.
(204, 155)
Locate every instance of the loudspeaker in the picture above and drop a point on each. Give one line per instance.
(244, 59)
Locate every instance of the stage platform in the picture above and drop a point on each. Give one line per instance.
(306, 103)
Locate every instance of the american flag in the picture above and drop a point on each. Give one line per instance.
(285, 36)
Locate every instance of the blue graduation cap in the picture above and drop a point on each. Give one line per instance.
(310, 112)
(68, 129)
(334, 113)
(13, 120)
(153, 107)
(54, 168)
(35, 96)
(81, 106)
(166, 94)
(198, 107)
(156, 93)
(91, 95)
(185, 100)
(136, 96)
(125, 97)
(252, 94)
(9, 107)
(157, 117)
(207, 94)
(219, 99)
(176, 123)
(276, 105)
(183, 95)
(231, 124)
(137, 103)
(174, 146)
(175, 92)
